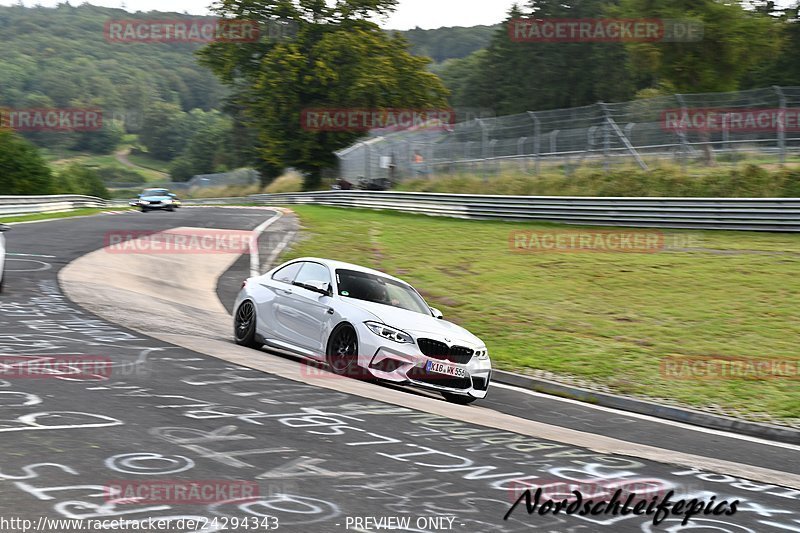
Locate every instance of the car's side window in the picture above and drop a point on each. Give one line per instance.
(313, 272)
(288, 273)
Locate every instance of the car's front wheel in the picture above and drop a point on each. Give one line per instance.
(461, 399)
(244, 325)
(342, 351)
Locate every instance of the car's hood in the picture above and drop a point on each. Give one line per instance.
(416, 324)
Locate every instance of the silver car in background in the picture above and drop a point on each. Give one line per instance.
(364, 324)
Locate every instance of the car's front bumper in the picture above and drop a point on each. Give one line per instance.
(160, 205)
(405, 363)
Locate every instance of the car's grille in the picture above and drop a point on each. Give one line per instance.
(439, 350)
(419, 374)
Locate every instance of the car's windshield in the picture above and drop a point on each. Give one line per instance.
(156, 192)
(379, 289)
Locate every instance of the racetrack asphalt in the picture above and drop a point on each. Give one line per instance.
(321, 458)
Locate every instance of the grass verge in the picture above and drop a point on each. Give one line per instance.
(607, 318)
(662, 180)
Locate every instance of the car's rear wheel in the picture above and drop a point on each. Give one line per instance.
(461, 399)
(143, 209)
(244, 325)
(342, 352)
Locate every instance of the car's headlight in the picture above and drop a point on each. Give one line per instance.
(482, 354)
(389, 332)
(144, 202)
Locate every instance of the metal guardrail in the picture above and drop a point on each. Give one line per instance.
(753, 214)
(26, 205)
(218, 201)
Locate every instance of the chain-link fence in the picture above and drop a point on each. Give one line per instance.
(762, 125)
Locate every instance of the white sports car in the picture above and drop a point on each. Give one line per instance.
(363, 323)
(3, 228)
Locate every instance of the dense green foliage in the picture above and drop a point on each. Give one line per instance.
(512, 77)
(735, 40)
(442, 44)
(59, 57)
(61, 54)
(746, 182)
(77, 179)
(24, 171)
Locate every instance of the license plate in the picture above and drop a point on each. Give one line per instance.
(444, 368)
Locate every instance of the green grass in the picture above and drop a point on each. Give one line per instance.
(64, 214)
(663, 179)
(605, 317)
(62, 158)
(150, 163)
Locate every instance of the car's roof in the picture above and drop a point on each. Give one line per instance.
(333, 264)
(156, 189)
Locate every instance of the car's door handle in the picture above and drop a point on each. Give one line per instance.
(330, 310)
(285, 291)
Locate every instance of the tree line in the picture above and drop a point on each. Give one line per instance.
(744, 45)
(230, 104)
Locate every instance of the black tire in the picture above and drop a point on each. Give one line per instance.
(244, 325)
(342, 352)
(460, 399)
(143, 209)
(171, 209)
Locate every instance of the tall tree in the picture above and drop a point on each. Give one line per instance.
(164, 131)
(734, 40)
(337, 58)
(22, 169)
(514, 77)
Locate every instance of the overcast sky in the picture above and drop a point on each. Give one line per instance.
(426, 14)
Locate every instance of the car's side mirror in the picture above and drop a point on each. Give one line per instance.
(436, 313)
(322, 287)
(138, 195)
(3, 227)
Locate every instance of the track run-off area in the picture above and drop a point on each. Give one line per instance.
(322, 453)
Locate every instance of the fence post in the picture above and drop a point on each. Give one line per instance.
(589, 145)
(781, 124)
(366, 160)
(521, 152)
(726, 136)
(484, 147)
(496, 165)
(606, 137)
(682, 134)
(536, 140)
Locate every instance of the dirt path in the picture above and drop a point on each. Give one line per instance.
(122, 156)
